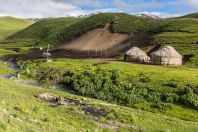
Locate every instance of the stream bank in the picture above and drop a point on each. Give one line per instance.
(16, 76)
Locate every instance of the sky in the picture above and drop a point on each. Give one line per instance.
(63, 8)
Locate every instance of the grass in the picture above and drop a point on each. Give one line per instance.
(192, 15)
(120, 22)
(130, 72)
(61, 30)
(181, 33)
(37, 33)
(5, 52)
(21, 111)
(162, 79)
(5, 70)
(10, 25)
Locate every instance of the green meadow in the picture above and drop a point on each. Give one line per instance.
(116, 96)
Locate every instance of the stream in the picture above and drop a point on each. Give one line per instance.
(13, 65)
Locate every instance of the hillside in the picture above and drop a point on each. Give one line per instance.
(120, 23)
(43, 28)
(78, 34)
(10, 25)
(98, 40)
(181, 34)
(192, 15)
(71, 92)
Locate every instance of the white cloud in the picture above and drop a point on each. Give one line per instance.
(92, 3)
(38, 8)
(161, 14)
(122, 5)
(61, 8)
(193, 3)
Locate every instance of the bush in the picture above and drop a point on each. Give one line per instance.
(189, 98)
(171, 84)
(144, 78)
(106, 85)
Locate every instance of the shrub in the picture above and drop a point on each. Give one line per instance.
(106, 85)
(144, 78)
(171, 84)
(189, 98)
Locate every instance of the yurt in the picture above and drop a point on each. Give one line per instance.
(166, 56)
(136, 55)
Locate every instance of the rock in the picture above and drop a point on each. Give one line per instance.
(7, 76)
(47, 97)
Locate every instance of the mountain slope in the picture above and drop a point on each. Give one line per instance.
(44, 28)
(192, 15)
(10, 25)
(119, 23)
(181, 33)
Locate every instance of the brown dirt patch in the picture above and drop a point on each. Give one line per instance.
(96, 40)
(57, 100)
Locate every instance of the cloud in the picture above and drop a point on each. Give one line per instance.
(193, 3)
(62, 8)
(92, 3)
(38, 8)
(161, 14)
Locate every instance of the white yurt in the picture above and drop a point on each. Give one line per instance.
(166, 56)
(135, 54)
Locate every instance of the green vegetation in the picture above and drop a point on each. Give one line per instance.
(38, 33)
(151, 88)
(182, 34)
(156, 76)
(4, 52)
(106, 85)
(10, 25)
(5, 70)
(20, 110)
(120, 22)
(145, 97)
(193, 15)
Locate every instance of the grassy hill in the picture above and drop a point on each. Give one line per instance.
(120, 23)
(42, 29)
(193, 15)
(62, 30)
(135, 97)
(10, 25)
(180, 33)
(36, 33)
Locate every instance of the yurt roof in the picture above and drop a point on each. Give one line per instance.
(135, 51)
(167, 51)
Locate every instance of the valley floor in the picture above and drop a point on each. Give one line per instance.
(20, 110)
